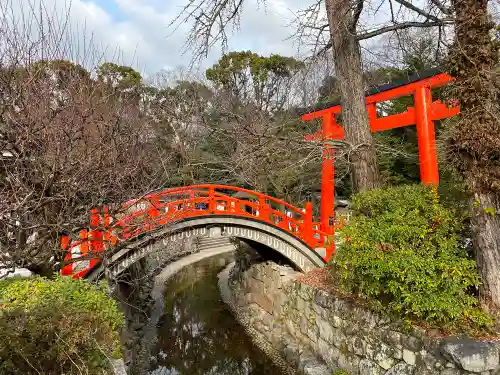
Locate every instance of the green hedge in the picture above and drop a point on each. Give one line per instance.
(401, 250)
(59, 326)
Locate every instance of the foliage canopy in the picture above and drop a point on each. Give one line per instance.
(401, 248)
(57, 326)
(254, 79)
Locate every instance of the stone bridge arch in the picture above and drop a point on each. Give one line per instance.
(273, 239)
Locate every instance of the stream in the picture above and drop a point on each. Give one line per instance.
(197, 334)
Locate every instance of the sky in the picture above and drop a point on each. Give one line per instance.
(137, 33)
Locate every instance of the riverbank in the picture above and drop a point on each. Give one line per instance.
(280, 347)
(318, 333)
(258, 339)
(139, 293)
(197, 333)
(143, 318)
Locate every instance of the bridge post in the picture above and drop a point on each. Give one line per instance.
(65, 239)
(211, 200)
(429, 172)
(96, 234)
(153, 210)
(263, 209)
(84, 238)
(308, 223)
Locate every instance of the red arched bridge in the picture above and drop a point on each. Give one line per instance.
(234, 212)
(181, 212)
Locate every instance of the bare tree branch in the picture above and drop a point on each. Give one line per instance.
(211, 20)
(401, 26)
(443, 8)
(416, 9)
(357, 14)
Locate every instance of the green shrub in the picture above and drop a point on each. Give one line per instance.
(401, 249)
(59, 326)
(340, 372)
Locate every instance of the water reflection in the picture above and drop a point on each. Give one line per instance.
(197, 334)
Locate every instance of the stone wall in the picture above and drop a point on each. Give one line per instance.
(318, 332)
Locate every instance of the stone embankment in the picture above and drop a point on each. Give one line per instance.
(318, 332)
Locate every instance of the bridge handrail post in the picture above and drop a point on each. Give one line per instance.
(65, 241)
(84, 238)
(211, 200)
(153, 210)
(109, 237)
(307, 232)
(95, 235)
(264, 208)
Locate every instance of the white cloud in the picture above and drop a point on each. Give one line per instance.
(136, 33)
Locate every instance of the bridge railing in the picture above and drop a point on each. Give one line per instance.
(157, 209)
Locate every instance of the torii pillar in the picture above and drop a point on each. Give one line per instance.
(330, 131)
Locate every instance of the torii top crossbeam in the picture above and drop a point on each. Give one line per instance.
(423, 115)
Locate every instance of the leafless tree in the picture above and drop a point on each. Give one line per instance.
(68, 142)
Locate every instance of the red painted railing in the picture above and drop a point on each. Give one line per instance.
(162, 208)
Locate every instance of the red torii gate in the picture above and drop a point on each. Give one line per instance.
(423, 115)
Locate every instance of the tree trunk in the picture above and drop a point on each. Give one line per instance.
(486, 238)
(348, 69)
(474, 143)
